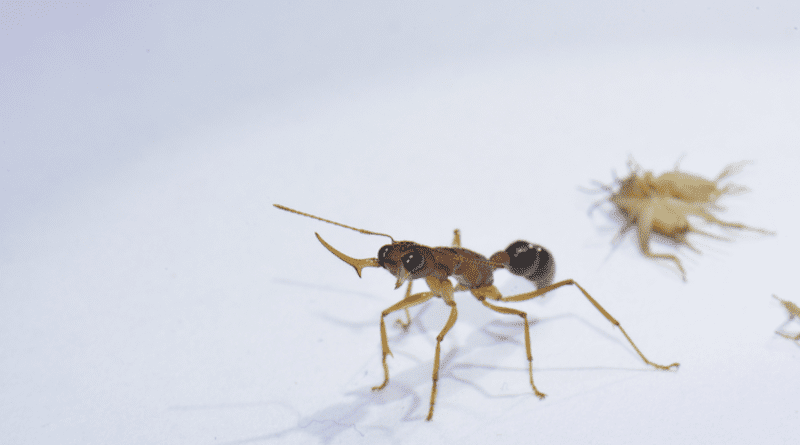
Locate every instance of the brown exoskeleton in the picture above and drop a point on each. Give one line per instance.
(407, 261)
(794, 311)
(662, 205)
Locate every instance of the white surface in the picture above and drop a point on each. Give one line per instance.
(150, 293)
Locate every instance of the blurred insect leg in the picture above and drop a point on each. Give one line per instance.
(780, 328)
(633, 166)
(678, 162)
(402, 304)
(790, 337)
(713, 219)
(595, 205)
(793, 312)
(780, 332)
(540, 292)
(399, 321)
(783, 334)
(645, 227)
(691, 246)
(710, 235)
(731, 170)
(792, 308)
(604, 187)
(733, 189)
(618, 237)
(682, 239)
(601, 188)
(450, 322)
(456, 238)
(505, 310)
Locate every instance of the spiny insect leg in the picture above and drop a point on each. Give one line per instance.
(731, 170)
(790, 337)
(710, 235)
(618, 237)
(713, 219)
(645, 226)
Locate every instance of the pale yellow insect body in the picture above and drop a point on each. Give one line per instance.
(662, 205)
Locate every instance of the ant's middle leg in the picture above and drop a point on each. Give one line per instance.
(612, 320)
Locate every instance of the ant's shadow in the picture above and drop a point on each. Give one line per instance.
(413, 384)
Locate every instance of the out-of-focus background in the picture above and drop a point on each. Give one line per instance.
(150, 293)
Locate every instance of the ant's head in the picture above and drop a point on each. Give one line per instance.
(406, 260)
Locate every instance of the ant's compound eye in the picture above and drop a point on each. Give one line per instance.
(413, 261)
(383, 255)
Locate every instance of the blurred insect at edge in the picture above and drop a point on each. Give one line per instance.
(793, 311)
(407, 261)
(661, 205)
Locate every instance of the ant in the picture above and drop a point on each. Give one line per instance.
(794, 311)
(407, 261)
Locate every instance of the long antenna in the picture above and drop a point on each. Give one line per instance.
(367, 232)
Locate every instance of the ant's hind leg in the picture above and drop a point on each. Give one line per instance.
(505, 310)
(405, 303)
(612, 320)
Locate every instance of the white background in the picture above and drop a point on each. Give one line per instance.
(150, 293)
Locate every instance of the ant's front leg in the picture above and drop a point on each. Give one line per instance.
(405, 303)
(404, 325)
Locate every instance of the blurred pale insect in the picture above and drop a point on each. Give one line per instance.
(407, 261)
(662, 205)
(794, 311)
